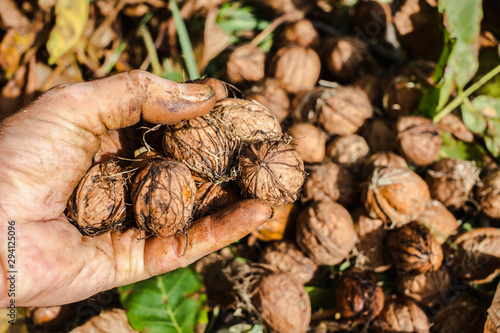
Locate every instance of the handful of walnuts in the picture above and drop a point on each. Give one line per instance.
(239, 142)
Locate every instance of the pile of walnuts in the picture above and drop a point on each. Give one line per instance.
(368, 210)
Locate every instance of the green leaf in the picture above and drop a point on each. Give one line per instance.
(458, 149)
(487, 106)
(71, 18)
(184, 41)
(473, 119)
(462, 20)
(171, 303)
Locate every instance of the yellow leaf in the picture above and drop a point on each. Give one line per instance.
(71, 18)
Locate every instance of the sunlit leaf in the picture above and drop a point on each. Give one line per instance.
(487, 106)
(171, 303)
(462, 20)
(473, 119)
(458, 149)
(71, 18)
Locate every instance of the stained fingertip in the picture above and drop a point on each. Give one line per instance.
(196, 92)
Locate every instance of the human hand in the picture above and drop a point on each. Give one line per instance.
(46, 148)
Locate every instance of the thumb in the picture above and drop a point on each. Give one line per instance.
(46, 148)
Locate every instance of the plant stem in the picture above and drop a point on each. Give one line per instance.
(466, 93)
(184, 41)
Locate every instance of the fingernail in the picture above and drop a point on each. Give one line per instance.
(196, 92)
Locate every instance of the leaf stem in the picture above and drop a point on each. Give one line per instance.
(466, 93)
(184, 41)
(151, 48)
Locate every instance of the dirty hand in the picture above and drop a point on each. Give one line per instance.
(44, 151)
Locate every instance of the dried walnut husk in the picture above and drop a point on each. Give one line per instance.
(212, 197)
(462, 314)
(426, 289)
(98, 203)
(357, 295)
(163, 194)
(287, 258)
(274, 229)
(395, 195)
(309, 141)
(413, 249)
(419, 140)
(272, 96)
(475, 255)
(205, 144)
(330, 181)
(488, 194)
(439, 220)
(246, 64)
(249, 121)
(282, 303)
(348, 150)
(296, 67)
(371, 241)
(401, 315)
(325, 232)
(271, 170)
(451, 181)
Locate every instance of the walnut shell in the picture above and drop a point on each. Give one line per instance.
(282, 303)
(349, 150)
(296, 68)
(246, 64)
(401, 315)
(287, 258)
(382, 159)
(163, 194)
(371, 18)
(272, 96)
(413, 249)
(343, 110)
(488, 194)
(271, 170)
(426, 289)
(357, 294)
(97, 204)
(462, 314)
(330, 181)
(249, 121)
(371, 242)
(401, 97)
(419, 140)
(309, 141)
(476, 255)
(301, 33)
(439, 220)
(212, 197)
(205, 144)
(451, 181)
(345, 57)
(325, 232)
(395, 195)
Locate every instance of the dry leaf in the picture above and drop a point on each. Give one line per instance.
(109, 321)
(11, 16)
(494, 310)
(14, 44)
(215, 39)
